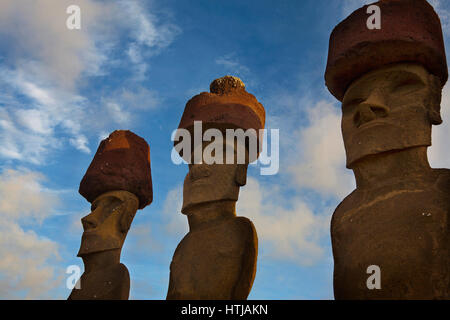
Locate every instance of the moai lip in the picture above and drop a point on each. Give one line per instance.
(117, 183)
(217, 258)
(122, 162)
(396, 221)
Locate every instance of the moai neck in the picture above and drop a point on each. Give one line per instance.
(396, 165)
(206, 213)
(100, 260)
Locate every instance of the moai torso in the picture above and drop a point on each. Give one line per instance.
(110, 283)
(215, 262)
(404, 229)
(390, 237)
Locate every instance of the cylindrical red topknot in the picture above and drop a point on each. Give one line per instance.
(227, 106)
(410, 32)
(122, 162)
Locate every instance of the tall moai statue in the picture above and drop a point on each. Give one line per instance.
(217, 258)
(391, 236)
(117, 183)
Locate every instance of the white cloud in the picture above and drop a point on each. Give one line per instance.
(123, 105)
(45, 64)
(26, 266)
(147, 32)
(80, 142)
(318, 158)
(38, 33)
(232, 65)
(120, 116)
(288, 229)
(139, 99)
(146, 27)
(176, 222)
(34, 120)
(29, 128)
(23, 196)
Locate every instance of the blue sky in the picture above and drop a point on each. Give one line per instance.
(133, 65)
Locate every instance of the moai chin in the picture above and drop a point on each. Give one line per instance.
(217, 258)
(389, 82)
(117, 183)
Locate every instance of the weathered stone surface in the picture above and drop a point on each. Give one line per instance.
(401, 225)
(217, 258)
(397, 218)
(228, 106)
(390, 108)
(109, 283)
(228, 103)
(410, 32)
(226, 84)
(105, 230)
(122, 162)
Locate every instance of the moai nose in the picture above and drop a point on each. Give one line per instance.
(372, 108)
(89, 222)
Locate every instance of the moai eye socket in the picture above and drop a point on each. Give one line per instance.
(407, 86)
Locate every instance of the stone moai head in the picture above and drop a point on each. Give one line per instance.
(106, 227)
(207, 183)
(388, 80)
(227, 106)
(117, 183)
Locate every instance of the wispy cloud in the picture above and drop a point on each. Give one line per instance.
(46, 66)
(232, 65)
(318, 157)
(148, 34)
(26, 267)
(288, 229)
(175, 222)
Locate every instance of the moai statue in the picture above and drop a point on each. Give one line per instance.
(117, 184)
(217, 258)
(391, 235)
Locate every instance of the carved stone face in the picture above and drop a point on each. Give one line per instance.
(106, 227)
(212, 182)
(390, 108)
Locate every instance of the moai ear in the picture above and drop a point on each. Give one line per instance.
(128, 212)
(434, 100)
(241, 175)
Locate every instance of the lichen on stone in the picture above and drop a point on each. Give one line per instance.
(226, 84)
